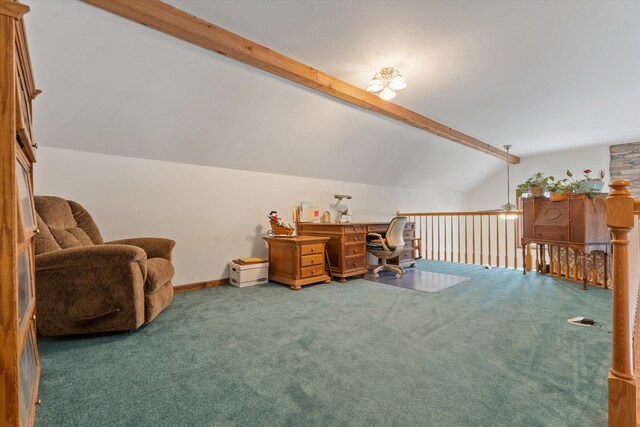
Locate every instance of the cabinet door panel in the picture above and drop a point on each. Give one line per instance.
(24, 194)
(28, 373)
(528, 213)
(576, 221)
(25, 287)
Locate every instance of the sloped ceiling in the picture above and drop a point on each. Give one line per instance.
(542, 76)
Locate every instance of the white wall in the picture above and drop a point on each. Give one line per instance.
(213, 214)
(491, 193)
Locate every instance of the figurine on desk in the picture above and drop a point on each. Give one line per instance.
(344, 216)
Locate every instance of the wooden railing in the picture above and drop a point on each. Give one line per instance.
(621, 208)
(492, 238)
(483, 238)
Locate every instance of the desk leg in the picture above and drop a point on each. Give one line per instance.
(543, 265)
(524, 259)
(342, 280)
(584, 271)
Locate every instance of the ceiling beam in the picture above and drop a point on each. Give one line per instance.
(177, 23)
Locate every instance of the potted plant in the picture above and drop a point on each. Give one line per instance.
(592, 185)
(586, 185)
(559, 190)
(536, 184)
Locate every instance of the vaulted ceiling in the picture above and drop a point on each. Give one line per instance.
(542, 76)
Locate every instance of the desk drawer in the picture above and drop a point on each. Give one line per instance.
(377, 228)
(355, 238)
(410, 226)
(355, 263)
(317, 270)
(312, 249)
(353, 229)
(357, 249)
(407, 234)
(558, 234)
(309, 260)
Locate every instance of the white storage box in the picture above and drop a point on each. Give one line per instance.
(248, 275)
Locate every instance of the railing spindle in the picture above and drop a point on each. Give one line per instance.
(458, 238)
(515, 243)
(497, 242)
(473, 239)
(432, 237)
(438, 237)
(466, 240)
(489, 240)
(506, 244)
(481, 241)
(451, 229)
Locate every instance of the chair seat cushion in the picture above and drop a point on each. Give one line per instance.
(159, 272)
(378, 246)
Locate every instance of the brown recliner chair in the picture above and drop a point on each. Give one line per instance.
(86, 285)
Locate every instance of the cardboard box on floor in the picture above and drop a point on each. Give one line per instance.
(242, 276)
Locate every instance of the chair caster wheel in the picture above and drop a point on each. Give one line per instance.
(376, 275)
(398, 275)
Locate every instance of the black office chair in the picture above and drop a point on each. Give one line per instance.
(387, 245)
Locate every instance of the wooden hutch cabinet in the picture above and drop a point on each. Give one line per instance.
(578, 223)
(19, 363)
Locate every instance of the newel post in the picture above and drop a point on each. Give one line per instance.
(622, 382)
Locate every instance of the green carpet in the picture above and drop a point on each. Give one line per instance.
(494, 351)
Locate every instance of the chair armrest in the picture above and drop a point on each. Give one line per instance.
(378, 239)
(154, 247)
(91, 256)
(90, 289)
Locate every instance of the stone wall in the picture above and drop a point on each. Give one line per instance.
(625, 164)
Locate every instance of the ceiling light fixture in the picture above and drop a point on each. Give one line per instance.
(386, 82)
(508, 206)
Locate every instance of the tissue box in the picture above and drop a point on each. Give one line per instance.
(248, 275)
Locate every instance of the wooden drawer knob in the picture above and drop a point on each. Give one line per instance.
(313, 272)
(313, 249)
(355, 239)
(355, 263)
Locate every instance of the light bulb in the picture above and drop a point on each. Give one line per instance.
(375, 85)
(398, 83)
(387, 94)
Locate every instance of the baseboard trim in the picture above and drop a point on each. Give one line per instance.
(200, 285)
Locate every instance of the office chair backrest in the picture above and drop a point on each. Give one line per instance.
(395, 231)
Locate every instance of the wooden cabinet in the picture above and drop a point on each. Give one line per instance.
(19, 364)
(347, 247)
(297, 261)
(578, 223)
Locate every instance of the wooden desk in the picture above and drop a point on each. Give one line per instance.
(347, 247)
(297, 261)
(578, 223)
